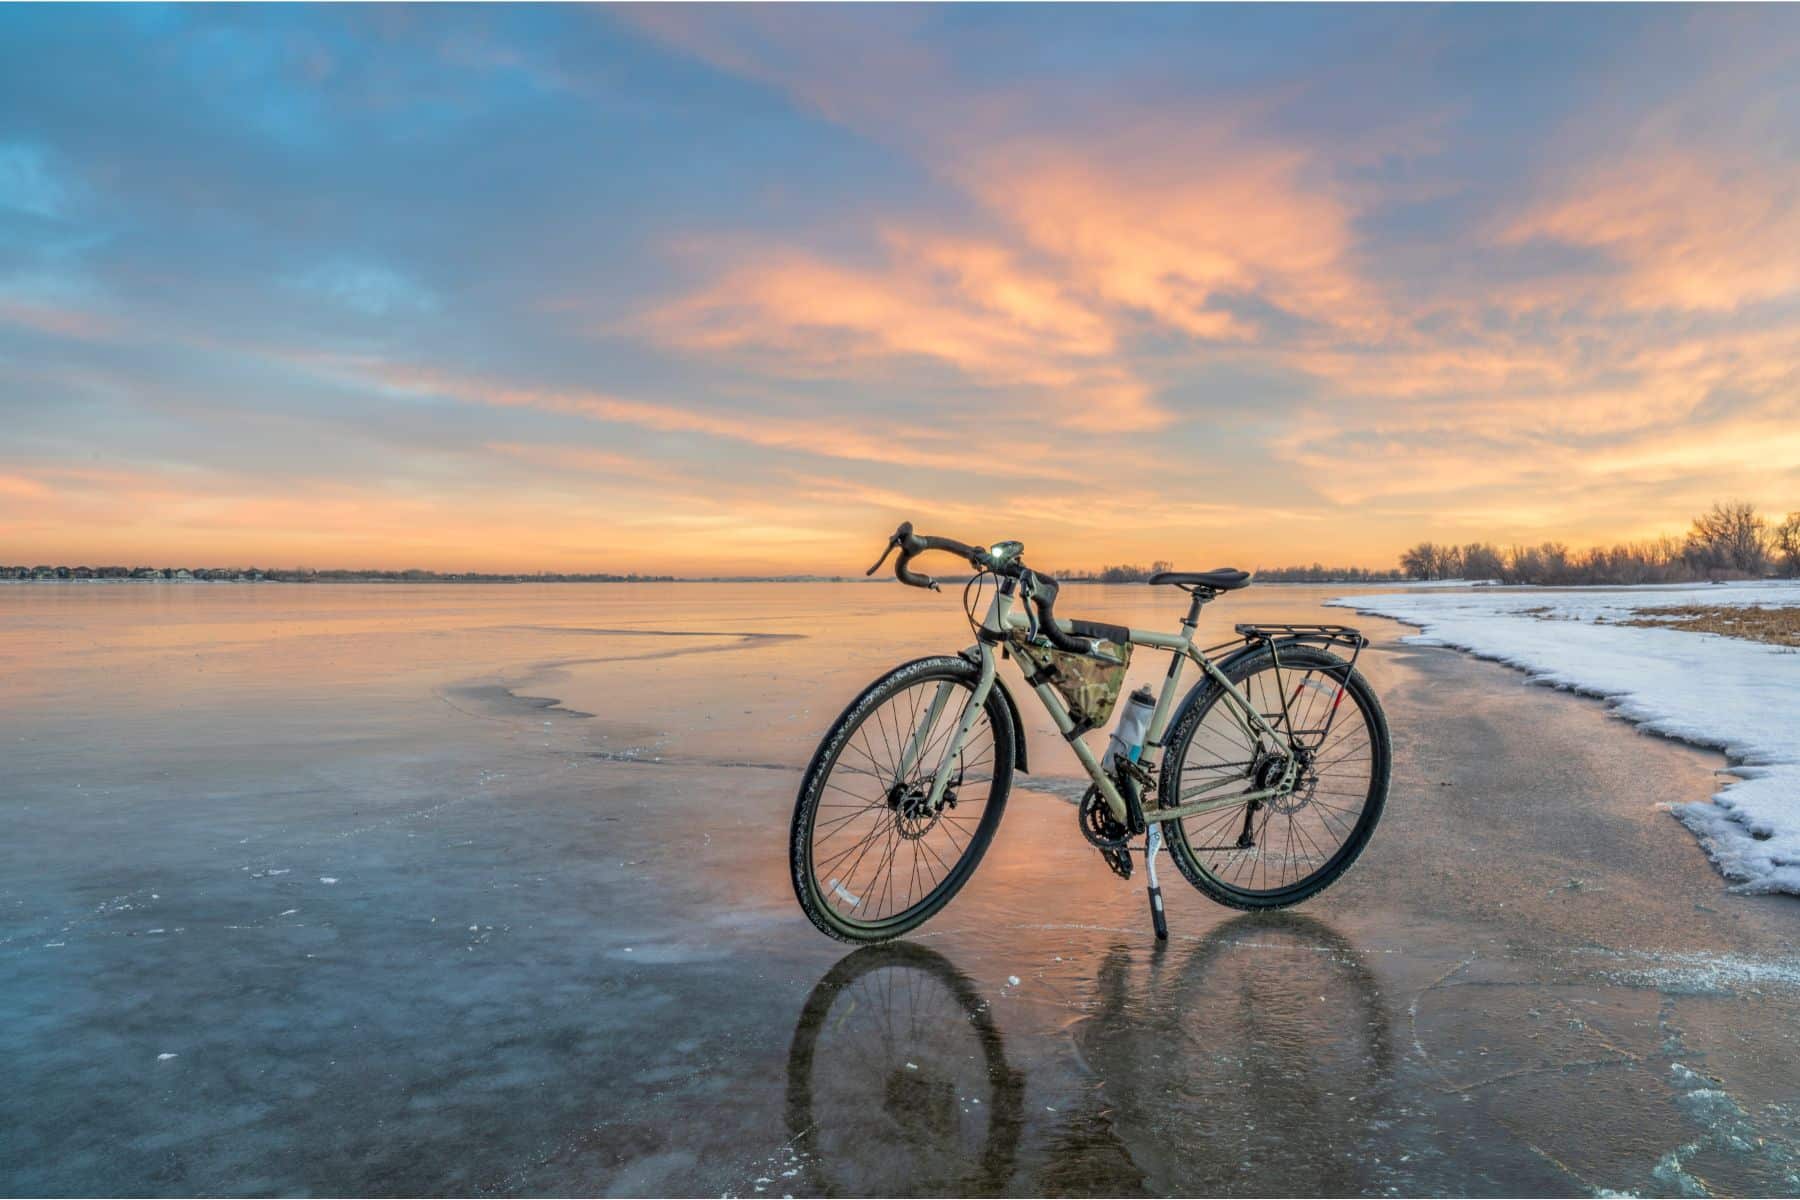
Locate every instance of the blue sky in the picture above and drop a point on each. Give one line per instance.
(719, 289)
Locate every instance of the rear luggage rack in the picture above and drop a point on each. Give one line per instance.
(1277, 636)
(1324, 635)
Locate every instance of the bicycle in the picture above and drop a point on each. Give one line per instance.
(921, 762)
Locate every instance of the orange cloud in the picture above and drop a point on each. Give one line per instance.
(1690, 230)
(953, 300)
(1197, 232)
(20, 487)
(1092, 244)
(1170, 223)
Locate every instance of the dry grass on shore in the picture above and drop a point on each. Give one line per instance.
(1777, 626)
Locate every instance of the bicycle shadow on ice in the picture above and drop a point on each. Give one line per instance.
(1194, 1070)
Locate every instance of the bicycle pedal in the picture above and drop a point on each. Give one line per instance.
(1119, 860)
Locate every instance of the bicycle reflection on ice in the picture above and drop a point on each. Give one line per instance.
(897, 1075)
(1256, 1063)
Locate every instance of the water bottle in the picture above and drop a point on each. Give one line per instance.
(1127, 739)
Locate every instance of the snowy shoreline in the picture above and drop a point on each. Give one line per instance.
(1723, 693)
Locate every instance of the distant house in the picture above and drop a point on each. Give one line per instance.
(181, 573)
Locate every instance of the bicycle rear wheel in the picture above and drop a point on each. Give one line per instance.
(870, 861)
(1278, 851)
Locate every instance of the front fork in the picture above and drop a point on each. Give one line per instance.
(971, 712)
(915, 745)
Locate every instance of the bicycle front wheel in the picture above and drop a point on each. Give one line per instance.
(1273, 852)
(870, 857)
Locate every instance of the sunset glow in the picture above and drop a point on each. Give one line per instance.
(722, 291)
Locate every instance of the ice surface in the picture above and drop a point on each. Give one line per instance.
(383, 1045)
(1739, 696)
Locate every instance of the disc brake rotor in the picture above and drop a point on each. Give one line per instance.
(1289, 803)
(913, 816)
(1267, 774)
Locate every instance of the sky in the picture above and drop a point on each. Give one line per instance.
(736, 290)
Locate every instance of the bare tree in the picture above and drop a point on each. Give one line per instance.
(1423, 561)
(1728, 539)
(1481, 560)
(1786, 539)
(1555, 556)
(1548, 564)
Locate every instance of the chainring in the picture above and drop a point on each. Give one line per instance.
(1098, 825)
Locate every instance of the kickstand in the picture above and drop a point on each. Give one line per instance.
(1152, 844)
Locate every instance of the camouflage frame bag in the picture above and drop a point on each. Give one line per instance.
(1088, 683)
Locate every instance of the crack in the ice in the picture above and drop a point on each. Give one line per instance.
(1545, 1069)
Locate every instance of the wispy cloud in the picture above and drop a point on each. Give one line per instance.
(900, 443)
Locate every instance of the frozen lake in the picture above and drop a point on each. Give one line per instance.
(424, 889)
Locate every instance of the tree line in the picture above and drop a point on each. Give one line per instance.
(1316, 573)
(1728, 541)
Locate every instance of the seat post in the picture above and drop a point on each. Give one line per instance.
(1196, 601)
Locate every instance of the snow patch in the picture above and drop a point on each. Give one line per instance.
(1737, 696)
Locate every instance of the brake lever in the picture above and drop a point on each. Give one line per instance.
(1028, 587)
(893, 544)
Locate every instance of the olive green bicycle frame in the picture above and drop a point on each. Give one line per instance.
(1002, 619)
